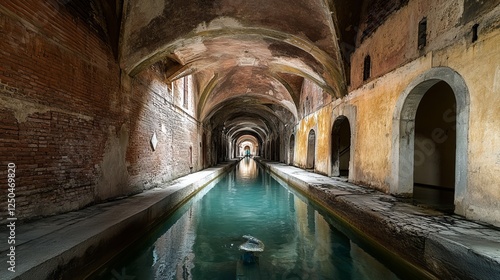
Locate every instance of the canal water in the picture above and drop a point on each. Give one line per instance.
(201, 240)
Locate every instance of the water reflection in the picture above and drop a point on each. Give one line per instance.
(201, 240)
(247, 170)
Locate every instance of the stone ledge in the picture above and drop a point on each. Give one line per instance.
(63, 246)
(448, 246)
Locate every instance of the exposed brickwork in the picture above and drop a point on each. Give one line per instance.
(63, 101)
(175, 129)
(56, 77)
(376, 12)
(312, 98)
(390, 48)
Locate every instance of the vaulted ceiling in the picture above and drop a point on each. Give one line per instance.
(249, 58)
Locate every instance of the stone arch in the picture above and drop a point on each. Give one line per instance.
(404, 131)
(341, 146)
(311, 149)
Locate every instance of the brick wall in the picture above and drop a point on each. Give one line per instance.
(77, 129)
(176, 130)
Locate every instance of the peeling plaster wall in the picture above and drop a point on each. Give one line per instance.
(449, 44)
(322, 122)
(390, 47)
(475, 64)
(375, 103)
(146, 32)
(77, 128)
(112, 172)
(396, 63)
(321, 112)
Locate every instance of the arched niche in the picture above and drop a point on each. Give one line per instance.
(403, 148)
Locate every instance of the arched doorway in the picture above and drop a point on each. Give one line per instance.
(341, 147)
(311, 150)
(435, 148)
(291, 150)
(411, 147)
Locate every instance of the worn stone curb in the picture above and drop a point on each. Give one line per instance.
(448, 246)
(82, 241)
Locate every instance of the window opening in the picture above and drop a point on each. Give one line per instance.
(366, 68)
(474, 32)
(422, 33)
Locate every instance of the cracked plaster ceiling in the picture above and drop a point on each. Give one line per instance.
(249, 58)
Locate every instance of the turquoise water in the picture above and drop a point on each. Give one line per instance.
(201, 240)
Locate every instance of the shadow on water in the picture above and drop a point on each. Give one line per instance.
(201, 239)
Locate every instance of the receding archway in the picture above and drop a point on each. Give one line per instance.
(291, 150)
(341, 147)
(404, 132)
(311, 150)
(247, 151)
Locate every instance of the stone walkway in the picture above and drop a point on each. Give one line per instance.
(449, 246)
(63, 245)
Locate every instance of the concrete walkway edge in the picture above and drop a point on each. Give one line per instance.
(62, 246)
(448, 246)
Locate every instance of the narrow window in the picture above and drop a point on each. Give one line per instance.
(186, 91)
(474, 32)
(366, 68)
(422, 33)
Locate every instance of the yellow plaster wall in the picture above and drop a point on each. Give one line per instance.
(450, 46)
(303, 128)
(479, 65)
(321, 122)
(375, 103)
